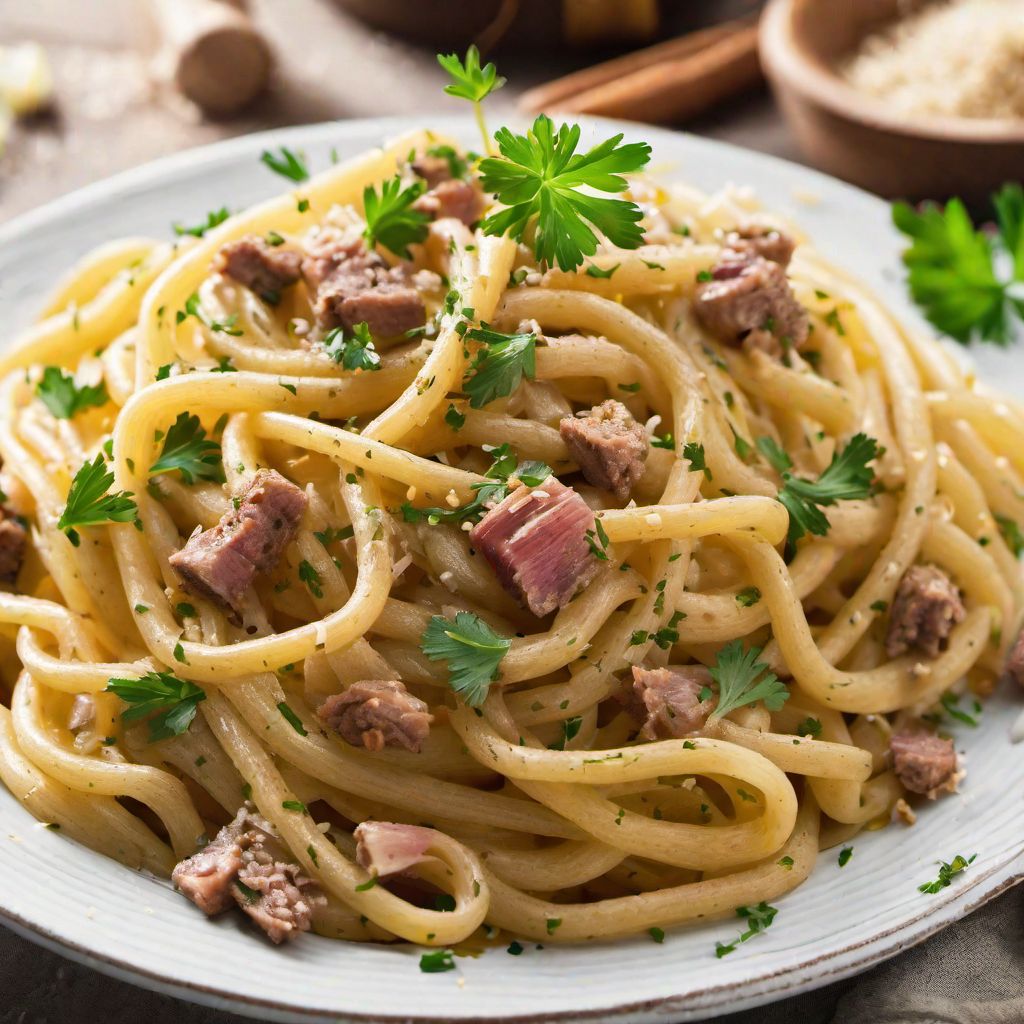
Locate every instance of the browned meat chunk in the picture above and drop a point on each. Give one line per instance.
(276, 895)
(262, 268)
(387, 848)
(378, 713)
(246, 864)
(433, 168)
(207, 877)
(668, 702)
(609, 446)
(923, 763)
(924, 611)
(760, 240)
(222, 562)
(350, 284)
(1015, 660)
(456, 198)
(13, 540)
(748, 300)
(536, 543)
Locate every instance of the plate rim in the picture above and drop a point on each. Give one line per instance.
(764, 986)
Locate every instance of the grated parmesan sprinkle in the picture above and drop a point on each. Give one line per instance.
(961, 58)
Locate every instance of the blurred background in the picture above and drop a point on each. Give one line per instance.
(911, 98)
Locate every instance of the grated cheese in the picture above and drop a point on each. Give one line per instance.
(962, 58)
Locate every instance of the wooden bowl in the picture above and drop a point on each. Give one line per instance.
(854, 136)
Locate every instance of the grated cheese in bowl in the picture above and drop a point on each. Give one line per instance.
(961, 58)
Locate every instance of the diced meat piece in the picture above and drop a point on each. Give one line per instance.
(668, 700)
(463, 200)
(609, 446)
(351, 284)
(433, 168)
(262, 268)
(536, 543)
(222, 562)
(386, 848)
(748, 299)
(245, 864)
(13, 540)
(761, 240)
(925, 609)
(276, 895)
(924, 763)
(207, 877)
(378, 713)
(83, 712)
(1015, 660)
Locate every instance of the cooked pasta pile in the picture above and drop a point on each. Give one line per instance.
(569, 797)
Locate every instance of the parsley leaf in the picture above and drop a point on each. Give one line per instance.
(59, 393)
(846, 477)
(89, 504)
(539, 176)
(757, 918)
(776, 457)
(438, 961)
(951, 267)
(570, 729)
(1011, 534)
(175, 699)
(947, 872)
(472, 649)
(390, 218)
(312, 579)
(500, 365)
(213, 218)
(742, 679)
(192, 308)
(470, 81)
(187, 450)
(694, 454)
(355, 352)
(289, 165)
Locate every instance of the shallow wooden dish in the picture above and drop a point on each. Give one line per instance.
(854, 136)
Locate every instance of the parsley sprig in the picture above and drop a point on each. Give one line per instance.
(968, 284)
(355, 350)
(176, 700)
(390, 217)
(742, 679)
(757, 920)
(470, 81)
(192, 308)
(89, 504)
(213, 218)
(847, 477)
(499, 366)
(503, 468)
(540, 176)
(472, 649)
(187, 450)
(59, 393)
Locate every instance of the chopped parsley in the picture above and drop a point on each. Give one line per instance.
(499, 366)
(292, 719)
(694, 454)
(1011, 532)
(175, 699)
(390, 217)
(809, 727)
(742, 680)
(757, 920)
(289, 164)
(570, 729)
(187, 450)
(947, 872)
(89, 504)
(748, 596)
(844, 856)
(312, 579)
(437, 962)
(59, 393)
(213, 218)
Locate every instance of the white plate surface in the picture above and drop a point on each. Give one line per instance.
(838, 923)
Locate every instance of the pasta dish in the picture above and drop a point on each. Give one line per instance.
(455, 545)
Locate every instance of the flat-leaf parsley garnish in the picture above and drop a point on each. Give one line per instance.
(175, 699)
(436, 962)
(289, 165)
(213, 218)
(89, 504)
(470, 81)
(952, 268)
(354, 350)
(59, 393)
(539, 178)
(390, 217)
(847, 477)
(499, 366)
(187, 450)
(757, 919)
(472, 649)
(742, 679)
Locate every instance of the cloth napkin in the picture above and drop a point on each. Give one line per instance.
(970, 973)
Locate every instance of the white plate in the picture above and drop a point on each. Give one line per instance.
(839, 922)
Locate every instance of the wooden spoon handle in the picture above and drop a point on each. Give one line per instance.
(662, 84)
